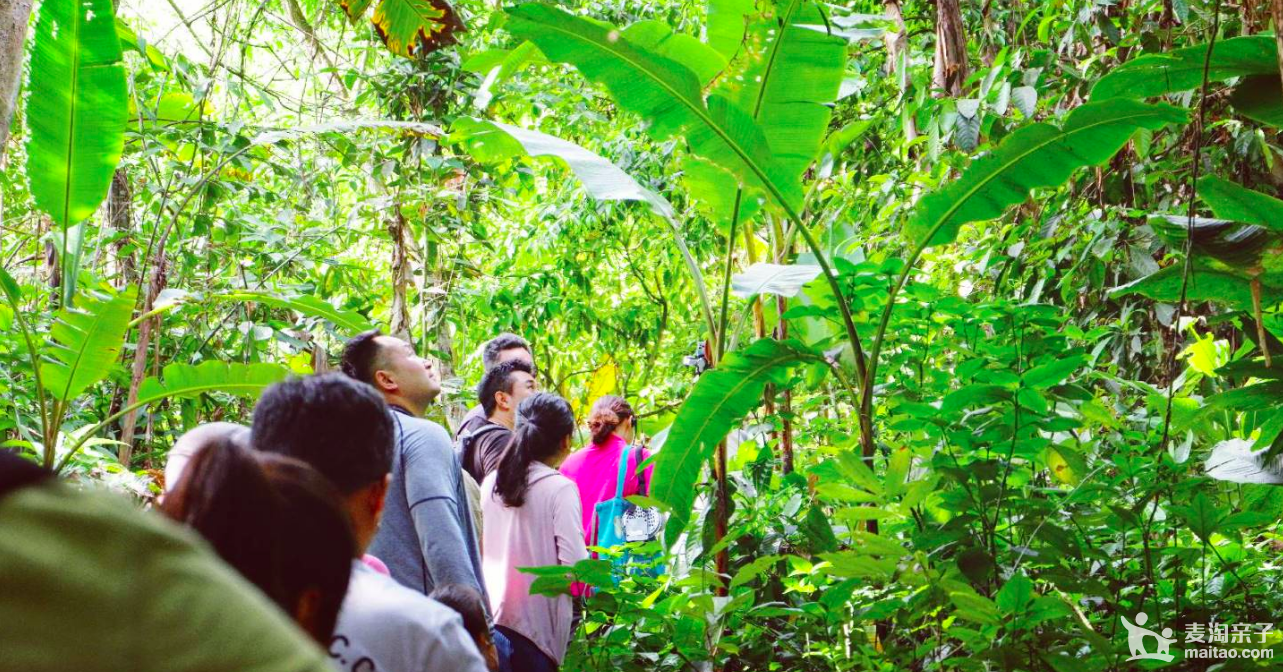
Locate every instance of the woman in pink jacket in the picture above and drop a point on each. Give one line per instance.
(595, 469)
(532, 520)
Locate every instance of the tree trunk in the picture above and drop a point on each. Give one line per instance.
(1276, 10)
(950, 69)
(14, 16)
(399, 318)
(120, 218)
(129, 424)
(896, 43)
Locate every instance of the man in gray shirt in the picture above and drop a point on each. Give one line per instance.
(343, 429)
(427, 537)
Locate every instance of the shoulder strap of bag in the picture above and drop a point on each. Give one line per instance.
(468, 442)
(623, 472)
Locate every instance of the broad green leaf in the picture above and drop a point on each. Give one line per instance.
(347, 320)
(974, 395)
(1065, 464)
(720, 400)
(1260, 99)
(664, 92)
(1240, 204)
(657, 36)
(1182, 69)
(1052, 373)
(85, 343)
(754, 569)
(777, 279)
(77, 108)
(727, 20)
(413, 27)
(603, 180)
(975, 607)
(1205, 284)
(1202, 516)
(186, 380)
(1221, 244)
(1038, 155)
(1015, 594)
(855, 565)
(787, 79)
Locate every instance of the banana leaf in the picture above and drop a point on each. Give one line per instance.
(85, 343)
(1182, 69)
(1038, 155)
(77, 110)
(720, 400)
(662, 91)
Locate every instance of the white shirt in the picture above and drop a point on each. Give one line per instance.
(386, 627)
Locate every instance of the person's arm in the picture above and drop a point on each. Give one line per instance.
(448, 646)
(567, 522)
(432, 474)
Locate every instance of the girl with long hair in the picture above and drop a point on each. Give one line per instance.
(532, 520)
(275, 520)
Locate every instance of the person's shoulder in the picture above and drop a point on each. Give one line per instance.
(382, 599)
(422, 430)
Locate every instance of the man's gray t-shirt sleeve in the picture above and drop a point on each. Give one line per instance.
(432, 488)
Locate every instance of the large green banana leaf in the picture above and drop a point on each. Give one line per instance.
(1205, 284)
(661, 90)
(77, 108)
(603, 180)
(1182, 69)
(1235, 202)
(720, 400)
(186, 380)
(787, 82)
(1260, 99)
(85, 342)
(1038, 155)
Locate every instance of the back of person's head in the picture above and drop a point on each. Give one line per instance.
(195, 440)
(543, 428)
(337, 425)
(495, 348)
(500, 379)
(607, 414)
(467, 601)
(276, 521)
(360, 357)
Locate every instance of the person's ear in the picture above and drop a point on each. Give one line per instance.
(377, 494)
(503, 400)
(384, 381)
(307, 612)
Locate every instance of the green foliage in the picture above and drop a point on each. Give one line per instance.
(1182, 69)
(84, 343)
(662, 91)
(1039, 155)
(720, 399)
(76, 111)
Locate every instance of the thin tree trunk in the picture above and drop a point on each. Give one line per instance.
(129, 424)
(1276, 11)
(14, 17)
(950, 69)
(399, 320)
(120, 218)
(896, 43)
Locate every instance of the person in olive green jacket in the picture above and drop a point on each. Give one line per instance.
(90, 583)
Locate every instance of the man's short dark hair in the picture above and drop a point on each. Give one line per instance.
(496, 345)
(361, 356)
(338, 425)
(499, 379)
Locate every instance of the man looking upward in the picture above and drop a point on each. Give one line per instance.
(427, 537)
